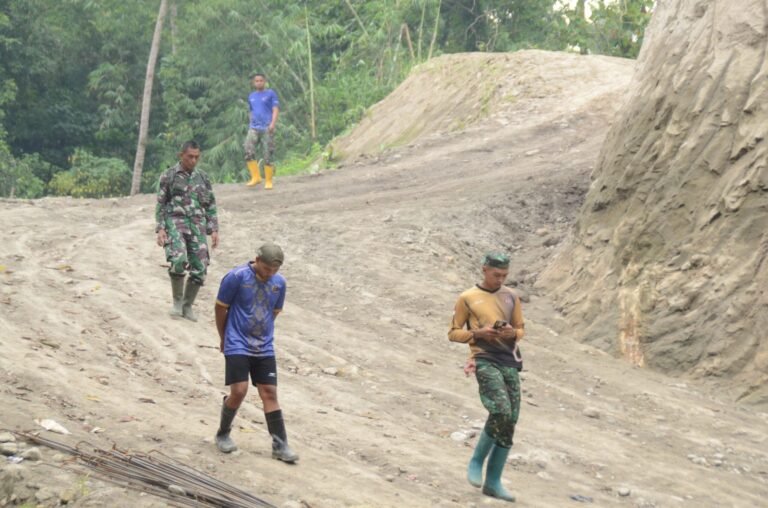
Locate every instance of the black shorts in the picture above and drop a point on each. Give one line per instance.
(263, 370)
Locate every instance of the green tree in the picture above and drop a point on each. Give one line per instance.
(92, 177)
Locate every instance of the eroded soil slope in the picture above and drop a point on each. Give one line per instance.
(667, 265)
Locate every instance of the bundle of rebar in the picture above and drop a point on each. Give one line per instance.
(154, 473)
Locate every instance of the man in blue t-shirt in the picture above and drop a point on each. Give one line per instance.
(265, 108)
(250, 298)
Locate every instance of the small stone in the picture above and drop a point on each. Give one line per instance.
(701, 461)
(67, 496)
(458, 436)
(44, 494)
(7, 437)
(624, 491)
(33, 454)
(591, 412)
(10, 476)
(544, 475)
(390, 478)
(9, 449)
(331, 371)
(175, 489)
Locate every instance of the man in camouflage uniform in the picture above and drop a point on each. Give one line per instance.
(489, 318)
(185, 214)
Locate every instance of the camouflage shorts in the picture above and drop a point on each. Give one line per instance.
(259, 139)
(187, 251)
(499, 388)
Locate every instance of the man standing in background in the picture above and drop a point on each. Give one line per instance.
(185, 213)
(264, 110)
(489, 318)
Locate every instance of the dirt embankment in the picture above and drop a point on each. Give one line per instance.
(372, 391)
(667, 264)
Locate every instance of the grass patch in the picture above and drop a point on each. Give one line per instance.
(317, 159)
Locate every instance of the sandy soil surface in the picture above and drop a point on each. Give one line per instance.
(373, 393)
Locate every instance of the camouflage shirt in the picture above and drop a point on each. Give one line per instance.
(185, 198)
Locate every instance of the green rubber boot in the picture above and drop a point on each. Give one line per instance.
(496, 462)
(475, 468)
(177, 287)
(190, 293)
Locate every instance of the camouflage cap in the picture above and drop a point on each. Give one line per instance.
(270, 253)
(496, 260)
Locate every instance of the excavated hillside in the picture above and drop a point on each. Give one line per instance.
(667, 264)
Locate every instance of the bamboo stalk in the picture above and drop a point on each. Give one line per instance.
(421, 28)
(434, 32)
(311, 79)
(359, 21)
(408, 38)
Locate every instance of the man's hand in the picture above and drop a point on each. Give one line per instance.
(487, 333)
(215, 239)
(221, 345)
(271, 128)
(162, 237)
(507, 332)
(470, 367)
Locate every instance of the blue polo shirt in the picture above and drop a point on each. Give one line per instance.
(261, 104)
(251, 302)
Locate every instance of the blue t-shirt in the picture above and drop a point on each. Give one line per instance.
(251, 320)
(261, 104)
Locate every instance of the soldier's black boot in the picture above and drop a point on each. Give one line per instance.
(177, 287)
(223, 442)
(190, 293)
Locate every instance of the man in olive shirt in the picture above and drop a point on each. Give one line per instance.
(489, 318)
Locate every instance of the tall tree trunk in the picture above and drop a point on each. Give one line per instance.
(138, 164)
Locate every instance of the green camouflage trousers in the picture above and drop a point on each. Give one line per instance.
(256, 139)
(499, 388)
(187, 251)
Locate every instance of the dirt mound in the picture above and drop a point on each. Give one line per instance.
(667, 265)
(452, 93)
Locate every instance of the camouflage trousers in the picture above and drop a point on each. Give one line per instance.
(187, 251)
(499, 388)
(259, 139)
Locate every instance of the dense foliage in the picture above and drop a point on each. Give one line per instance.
(72, 74)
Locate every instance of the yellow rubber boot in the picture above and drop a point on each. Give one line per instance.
(269, 172)
(253, 167)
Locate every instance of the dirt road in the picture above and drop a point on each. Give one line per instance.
(373, 393)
